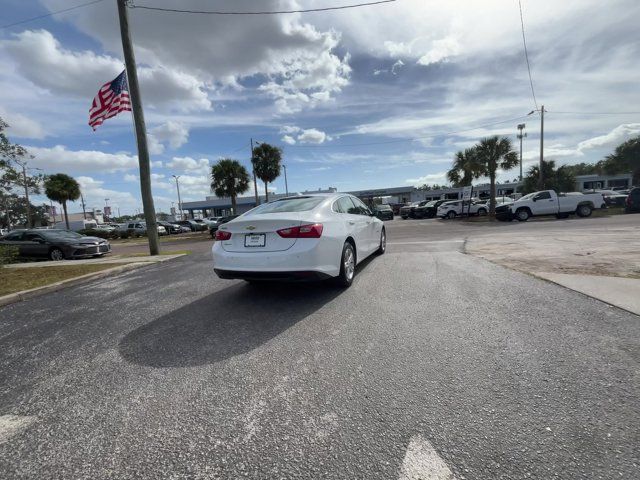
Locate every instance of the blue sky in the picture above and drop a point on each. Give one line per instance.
(357, 99)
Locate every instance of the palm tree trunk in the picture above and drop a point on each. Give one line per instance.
(492, 199)
(266, 192)
(233, 204)
(66, 217)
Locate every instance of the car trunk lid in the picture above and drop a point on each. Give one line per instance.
(258, 233)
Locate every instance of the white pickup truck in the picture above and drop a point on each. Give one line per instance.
(548, 202)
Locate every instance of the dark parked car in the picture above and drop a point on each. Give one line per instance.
(427, 210)
(171, 227)
(383, 212)
(632, 203)
(503, 212)
(55, 244)
(213, 228)
(408, 211)
(193, 225)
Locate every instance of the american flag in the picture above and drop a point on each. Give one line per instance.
(112, 98)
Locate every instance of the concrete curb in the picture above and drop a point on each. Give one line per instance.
(54, 287)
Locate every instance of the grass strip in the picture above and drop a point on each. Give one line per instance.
(14, 280)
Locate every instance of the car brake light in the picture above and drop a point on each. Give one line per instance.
(222, 235)
(303, 231)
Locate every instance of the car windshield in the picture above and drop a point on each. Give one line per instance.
(300, 204)
(383, 207)
(528, 197)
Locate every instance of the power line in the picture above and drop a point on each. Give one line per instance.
(526, 55)
(409, 140)
(595, 113)
(278, 12)
(50, 14)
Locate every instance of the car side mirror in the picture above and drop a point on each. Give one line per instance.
(535, 199)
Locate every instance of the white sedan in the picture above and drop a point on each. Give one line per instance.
(307, 237)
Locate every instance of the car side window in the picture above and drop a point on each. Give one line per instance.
(14, 237)
(33, 237)
(543, 196)
(362, 209)
(345, 205)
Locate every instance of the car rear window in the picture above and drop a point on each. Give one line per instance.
(301, 204)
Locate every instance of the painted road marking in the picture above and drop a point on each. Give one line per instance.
(429, 241)
(422, 462)
(12, 424)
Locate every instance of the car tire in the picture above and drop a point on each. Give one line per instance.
(451, 215)
(522, 215)
(584, 211)
(383, 243)
(347, 265)
(56, 254)
(482, 212)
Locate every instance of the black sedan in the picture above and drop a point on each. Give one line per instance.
(383, 212)
(213, 227)
(428, 210)
(171, 227)
(55, 244)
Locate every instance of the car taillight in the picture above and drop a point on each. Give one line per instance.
(303, 231)
(222, 235)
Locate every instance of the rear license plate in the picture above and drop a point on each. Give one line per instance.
(255, 240)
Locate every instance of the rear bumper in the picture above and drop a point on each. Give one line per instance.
(297, 276)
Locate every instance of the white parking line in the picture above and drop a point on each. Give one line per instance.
(425, 242)
(12, 424)
(422, 462)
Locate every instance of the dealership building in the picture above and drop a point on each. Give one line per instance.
(213, 206)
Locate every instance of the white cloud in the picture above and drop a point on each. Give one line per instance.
(175, 134)
(60, 158)
(441, 50)
(21, 126)
(40, 58)
(296, 134)
(618, 135)
(438, 178)
(94, 193)
(188, 164)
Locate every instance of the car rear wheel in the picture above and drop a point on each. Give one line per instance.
(451, 215)
(56, 254)
(347, 265)
(482, 212)
(383, 242)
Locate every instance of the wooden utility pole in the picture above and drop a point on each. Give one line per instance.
(541, 174)
(141, 132)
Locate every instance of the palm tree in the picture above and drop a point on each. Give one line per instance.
(62, 188)
(465, 168)
(229, 179)
(495, 153)
(267, 161)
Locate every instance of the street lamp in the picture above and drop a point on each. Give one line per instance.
(520, 137)
(107, 213)
(177, 177)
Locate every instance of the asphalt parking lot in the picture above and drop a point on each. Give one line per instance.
(168, 372)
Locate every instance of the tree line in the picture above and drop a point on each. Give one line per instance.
(491, 154)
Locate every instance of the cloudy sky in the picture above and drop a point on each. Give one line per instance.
(369, 97)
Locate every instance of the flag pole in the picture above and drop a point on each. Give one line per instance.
(140, 130)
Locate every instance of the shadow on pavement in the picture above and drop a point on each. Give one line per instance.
(227, 323)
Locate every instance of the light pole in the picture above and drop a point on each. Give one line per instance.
(178, 189)
(106, 207)
(540, 174)
(520, 137)
(253, 168)
(286, 185)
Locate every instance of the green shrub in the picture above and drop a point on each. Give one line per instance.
(124, 233)
(8, 254)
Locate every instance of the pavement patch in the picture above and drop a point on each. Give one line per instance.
(422, 462)
(13, 424)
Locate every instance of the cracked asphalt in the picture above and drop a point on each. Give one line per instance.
(169, 372)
